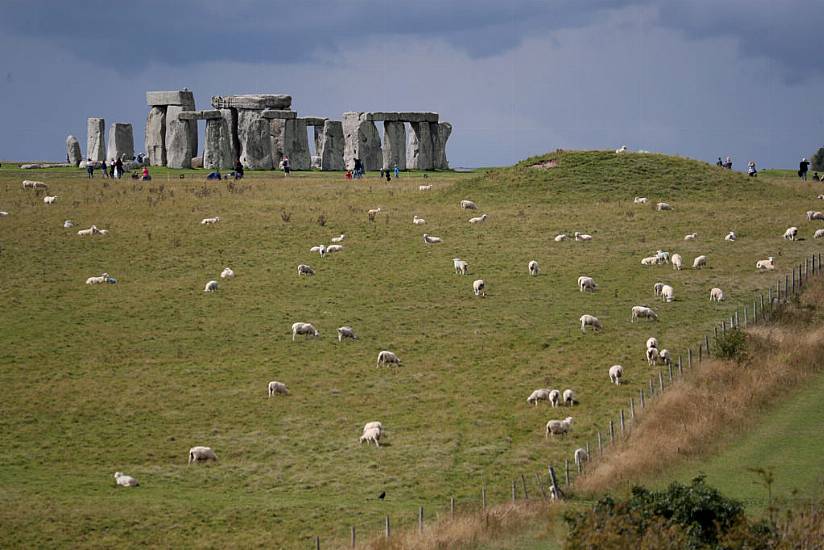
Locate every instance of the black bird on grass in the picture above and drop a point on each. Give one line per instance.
(382, 495)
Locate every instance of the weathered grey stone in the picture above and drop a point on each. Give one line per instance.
(179, 144)
(73, 151)
(361, 140)
(218, 151)
(439, 140)
(419, 147)
(277, 139)
(121, 141)
(418, 117)
(155, 136)
(197, 162)
(383, 116)
(316, 162)
(331, 146)
(255, 101)
(296, 144)
(255, 139)
(95, 143)
(394, 145)
(199, 115)
(313, 120)
(183, 98)
(278, 114)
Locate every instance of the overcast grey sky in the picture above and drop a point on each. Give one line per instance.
(699, 78)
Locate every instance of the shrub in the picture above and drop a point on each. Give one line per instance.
(731, 344)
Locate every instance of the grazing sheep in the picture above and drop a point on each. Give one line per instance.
(582, 237)
(821, 197)
(227, 273)
(3, 213)
(665, 357)
(538, 395)
(346, 332)
(818, 234)
(622, 149)
(211, 286)
(533, 268)
(558, 427)
(657, 287)
(429, 239)
(103, 232)
(424, 187)
(581, 456)
(388, 358)
(461, 267)
(716, 295)
(320, 249)
(731, 236)
(372, 212)
(691, 237)
(304, 328)
(616, 372)
(554, 398)
(468, 205)
(201, 454)
(28, 184)
(663, 206)
(49, 199)
(560, 237)
(667, 293)
(640, 200)
(652, 342)
(371, 435)
(210, 221)
(479, 288)
(791, 233)
(122, 480)
(374, 425)
(97, 280)
(418, 221)
(590, 321)
(68, 223)
(677, 262)
(650, 260)
(332, 248)
(304, 269)
(652, 356)
(479, 219)
(586, 283)
(569, 397)
(93, 230)
(339, 238)
(814, 215)
(769, 263)
(276, 387)
(642, 312)
(699, 262)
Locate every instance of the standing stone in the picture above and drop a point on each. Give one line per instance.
(95, 144)
(178, 138)
(419, 147)
(255, 138)
(361, 140)
(331, 146)
(121, 141)
(444, 130)
(296, 144)
(277, 128)
(73, 151)
(394, 145)
(155, 138)
(218, 151)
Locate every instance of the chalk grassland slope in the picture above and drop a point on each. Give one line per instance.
(128, 377)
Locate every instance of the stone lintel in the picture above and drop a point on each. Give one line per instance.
(179, 97)
(199, 115)
(278, 114)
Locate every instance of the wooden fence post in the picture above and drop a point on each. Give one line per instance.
(420, 519)
(660, 381)
(553, 479)
(680, 368)
(641, 397)
(566, 472)
(707, 343)
(787, 285)
(387, 530)
(452, 504)
(622, 421)
(483, 497)
(352, 536)
(689, 358)
(669, 368)
(700, 353)
(317, 543)
(723, 328)
(745, 317)
(523, 482)
(631, 409)
(737, 324)
(611, 432)
(600, 445)
(513, 491)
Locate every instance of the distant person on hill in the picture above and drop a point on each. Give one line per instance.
(397, 171)
(728, 163)
(119, 168)
(103, 168)
(146, 176)
(90, 168)
(803, 167)
(285, 165)
(720, 162)
(751, 171)
(388, 176)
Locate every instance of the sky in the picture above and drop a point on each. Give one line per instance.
(696, 78)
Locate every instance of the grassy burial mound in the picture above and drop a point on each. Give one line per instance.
(128, 376)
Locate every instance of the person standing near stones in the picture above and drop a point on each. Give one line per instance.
(90, 168)
(358, 173)
(803, 167)
(285, 164)
(104, 168)
(397, 171)
(118, 168)
(238, 170)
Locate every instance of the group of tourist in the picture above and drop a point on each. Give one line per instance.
(752, 171)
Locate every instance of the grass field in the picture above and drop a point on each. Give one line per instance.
(129, 376)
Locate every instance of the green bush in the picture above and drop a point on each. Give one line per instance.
(731, 344)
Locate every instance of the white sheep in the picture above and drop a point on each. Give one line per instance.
(731, 236)
(28, 184)
(122, 480)
(558, 427)
(818, 234)
(677, 262)
(97, 280)
(657, 287)
(652, 356)
(374, 425)
(581, 456)
(468, 205)
(814, 215)
(690, 236)
(49, 199)
(650, 260)
(479, 288)
(667, 293)
(418, 221)
(67, 224)
(210, 221)
(3, 213)
(276, 387)
(582, 236)
(339, 238)
(429, 239)
(560, 237)
(332, 248)
(791, 233)
(479, 219)
(820, 197)
(642, 312)
(769, 263)
(424, 187)
(665, 357)
(652, 342)
(663, 256)
(699, 262)
(538, 395)
(103, 232)
(569, 397)
(201, 454)
(371, 435)
(586, 283)
(663, 206)
(716, 295)
(388, 358)
(211, 286)
(640, 200)
(93, 230)
(622, 149)
(304, 328)
(346, 332)
(461, 267)
(372, 212)
(554, 398)
(533, 268)
(227, 273)
(304, 269)
(616, 372)
(320, 249)
(590, 321)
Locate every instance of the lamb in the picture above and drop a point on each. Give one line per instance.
(346, 332)
(103, 232)
(559, 427)
(657, 288)
(533, 268)
(276, 387)
(479, 288)
(699, 262)
(339, 238)
(560, 237)
(663, 256)
(418, 221)
(814, 215)
(468, 205)
(640, 200)
(616, 372)
(461, 267)
(122, 480)
(388, 358)
(554, 398)
(28, 184)
(375, 425)
(201, 454)
(622, 149)
(569, 397)
(650, 260)
(769, 263)
(667, 293)
(791, 233)
(67, 224)
(581, 456)
(663, 206)
(538, 395)
(731, 236)
(211, 286)
(582, 237)
(716, 295)
(665, 357)
(424, 187)
(586, 283)
(372, 212)
(590, 321)
(49, 199)
(642, 312)
(691, 237)
(304, 328)
(320, 249)
(429, 239)
(677, 262)
(90, 231)
(97, 280)
(479, 219)
(210, 221)
(818, 234)
(227, 273)
(371, 435)
(304, 269)
(332, 248)
(652, 356)
(652, 342)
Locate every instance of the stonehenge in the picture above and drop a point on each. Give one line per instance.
(170, 141)
(73, 154)
(120, 141)
(95, 144)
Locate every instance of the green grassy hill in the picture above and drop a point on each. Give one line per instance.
(129, 376)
